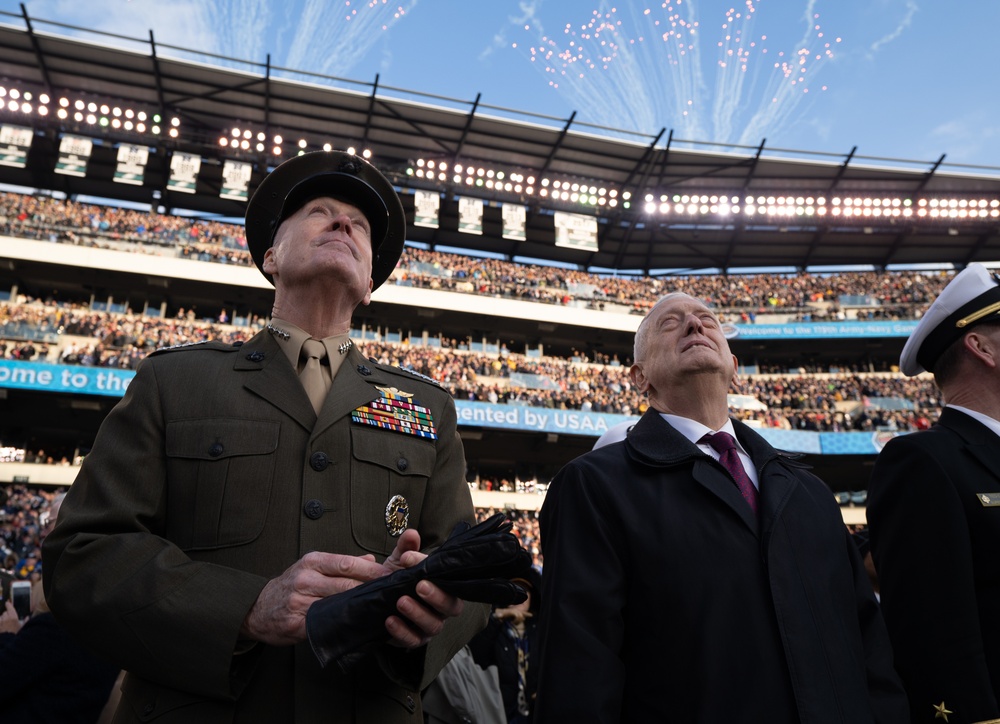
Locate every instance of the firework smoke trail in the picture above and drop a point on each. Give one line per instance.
(645, 71)
(331, 37)
(788, 83)
(684, 80)
(604, 65)
(735, 58)
(238, 28)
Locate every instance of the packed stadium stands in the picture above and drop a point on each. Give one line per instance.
(529, 328)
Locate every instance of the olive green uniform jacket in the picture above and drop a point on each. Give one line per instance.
(209, 478)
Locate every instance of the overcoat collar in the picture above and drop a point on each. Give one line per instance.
(655, 443)
(980, 441)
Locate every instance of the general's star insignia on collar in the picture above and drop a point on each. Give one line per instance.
(940, 712)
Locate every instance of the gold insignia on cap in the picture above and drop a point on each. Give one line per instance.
(989, 500)
(976, 316)
(940, 712)
(397, 515)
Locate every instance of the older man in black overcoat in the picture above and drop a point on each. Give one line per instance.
(683, 585)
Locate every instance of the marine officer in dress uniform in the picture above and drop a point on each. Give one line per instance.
(934, 513)
(233, 486)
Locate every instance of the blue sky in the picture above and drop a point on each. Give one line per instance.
(906, 79)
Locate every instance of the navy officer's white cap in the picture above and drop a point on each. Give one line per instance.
(615, 433)
(971, 298)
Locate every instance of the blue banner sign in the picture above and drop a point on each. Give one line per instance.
(114, 382)
(64, 378)
(820, 330)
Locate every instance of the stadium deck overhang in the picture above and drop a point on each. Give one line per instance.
(402, 126)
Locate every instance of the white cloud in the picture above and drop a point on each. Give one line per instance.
(964, 140)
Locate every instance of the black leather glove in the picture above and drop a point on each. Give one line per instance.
(475, 564)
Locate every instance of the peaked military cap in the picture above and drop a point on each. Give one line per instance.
(971, 298)
(338, 175)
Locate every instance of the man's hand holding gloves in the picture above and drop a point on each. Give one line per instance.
(475, 564)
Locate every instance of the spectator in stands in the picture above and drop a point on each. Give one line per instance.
(675, 590)
(933, 516)
(226, 493)
(45, 675)
(510, 642)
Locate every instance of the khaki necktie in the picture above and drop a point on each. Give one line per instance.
(313, 352)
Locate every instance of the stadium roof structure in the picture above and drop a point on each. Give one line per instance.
(660, 204)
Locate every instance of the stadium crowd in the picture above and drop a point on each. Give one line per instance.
(794, 399)
(740, 298)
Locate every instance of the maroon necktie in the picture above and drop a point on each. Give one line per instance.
(725, 445)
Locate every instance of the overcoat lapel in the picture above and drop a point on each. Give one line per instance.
(776, 485)
(980, 441)
(654, 442)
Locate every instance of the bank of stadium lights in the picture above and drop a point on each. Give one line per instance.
(805, 207)
(514, 182)
(90, 113)
(245, 139)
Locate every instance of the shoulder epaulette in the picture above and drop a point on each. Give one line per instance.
(213, 346)
(408, 371)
